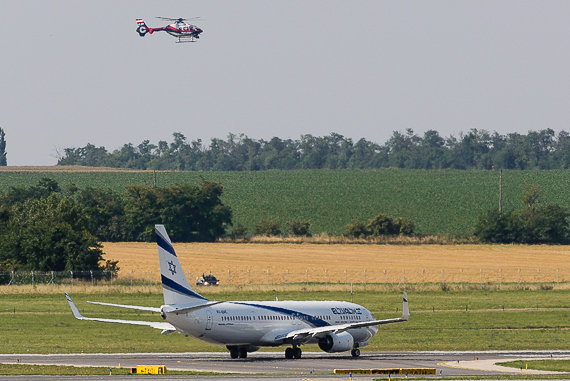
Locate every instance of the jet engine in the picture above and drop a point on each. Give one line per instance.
(336, 342)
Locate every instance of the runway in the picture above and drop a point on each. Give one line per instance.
(313, 365)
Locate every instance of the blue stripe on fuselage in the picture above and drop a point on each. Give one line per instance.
(312, 320)
(169, 283)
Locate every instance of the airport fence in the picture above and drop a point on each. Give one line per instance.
(274, 276)
(56, 277)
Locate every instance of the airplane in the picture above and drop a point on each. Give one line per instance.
(179, 28)
(246, 326)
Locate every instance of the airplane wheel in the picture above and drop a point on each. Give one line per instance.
(289, 353)
(242, 353)
(234, 353)
(297, 353)
(355, 352)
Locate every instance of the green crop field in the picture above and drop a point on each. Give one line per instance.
(454, 320)
(439, 202)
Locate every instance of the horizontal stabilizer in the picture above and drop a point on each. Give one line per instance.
(141, 308)
(158, 325)
(183, 310)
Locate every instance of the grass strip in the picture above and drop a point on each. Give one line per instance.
(552, 365)
(494, 377)
(65, 370)
(454, 320)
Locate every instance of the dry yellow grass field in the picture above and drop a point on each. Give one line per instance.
(243, 263)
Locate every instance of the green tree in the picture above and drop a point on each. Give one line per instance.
(45, 187)
(105, 213)
(562, 151)
(142, 211)
(195, 213)
(3, 160)
(191, 213)
(50, 234)
(431, 150)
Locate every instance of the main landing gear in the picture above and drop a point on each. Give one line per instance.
(294, 352)
(236, 352)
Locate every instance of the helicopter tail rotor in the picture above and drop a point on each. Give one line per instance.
(142, 29)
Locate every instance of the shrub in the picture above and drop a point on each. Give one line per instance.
(356, 229)
(382, 225)
(239, 231)
(404, 226)
(535, 223)
(267, 227)
(300, 228)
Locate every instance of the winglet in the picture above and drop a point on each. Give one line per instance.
(405, 310)
(73, 308)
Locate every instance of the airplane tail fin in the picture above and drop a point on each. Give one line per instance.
(175, 286)
(142, 29)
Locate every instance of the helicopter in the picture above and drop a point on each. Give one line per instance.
(179, 28)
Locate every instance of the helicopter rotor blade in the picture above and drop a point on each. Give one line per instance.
(178, 19)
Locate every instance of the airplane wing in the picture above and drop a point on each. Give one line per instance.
(164, 326)
(305, 334)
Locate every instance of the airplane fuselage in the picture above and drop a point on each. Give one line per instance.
(265, 323)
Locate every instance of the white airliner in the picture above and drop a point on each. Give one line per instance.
(245, 326)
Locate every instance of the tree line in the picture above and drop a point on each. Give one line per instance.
(536, 223)
(47, 228)
(477, 149)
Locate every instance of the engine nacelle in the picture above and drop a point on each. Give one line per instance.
(337, 342)
(252, 348)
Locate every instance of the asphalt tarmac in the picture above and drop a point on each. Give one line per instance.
(273, 366)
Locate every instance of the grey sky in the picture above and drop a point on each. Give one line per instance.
(76, 72)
